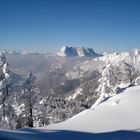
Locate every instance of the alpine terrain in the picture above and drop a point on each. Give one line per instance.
(73, 94)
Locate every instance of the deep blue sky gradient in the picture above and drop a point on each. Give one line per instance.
(47, 25)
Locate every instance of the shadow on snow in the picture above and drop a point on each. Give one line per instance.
(32, 134)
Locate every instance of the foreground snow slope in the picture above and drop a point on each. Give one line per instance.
(120, 112)
(117, 118)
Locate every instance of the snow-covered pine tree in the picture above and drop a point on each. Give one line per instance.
(129, 72)
(115, 78)
(107, 82)
(7, 113)
(29, 98)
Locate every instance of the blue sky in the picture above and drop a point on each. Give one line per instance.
(47, 25)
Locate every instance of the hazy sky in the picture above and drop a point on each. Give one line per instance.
(47, 25)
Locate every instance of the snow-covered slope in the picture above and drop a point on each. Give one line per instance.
(74, 51)
(120, 112)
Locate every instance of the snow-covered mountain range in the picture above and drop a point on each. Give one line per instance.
(67, 51)
(70, 51)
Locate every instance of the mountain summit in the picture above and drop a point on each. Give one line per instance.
(71, 51)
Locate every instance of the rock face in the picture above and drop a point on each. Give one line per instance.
(71, 51)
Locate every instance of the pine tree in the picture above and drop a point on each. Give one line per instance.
(29, 98)
(107, 82)
(7, 113)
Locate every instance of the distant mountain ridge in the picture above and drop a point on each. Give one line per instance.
(70, 51)
(13, 52)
